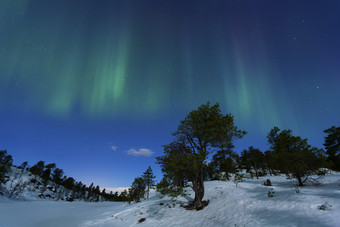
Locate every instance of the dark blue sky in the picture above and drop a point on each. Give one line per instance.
(80, 77)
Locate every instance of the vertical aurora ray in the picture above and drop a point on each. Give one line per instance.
(109, 66)
(88, 60)
(251, 86)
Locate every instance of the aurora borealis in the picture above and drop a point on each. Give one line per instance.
(77, 77)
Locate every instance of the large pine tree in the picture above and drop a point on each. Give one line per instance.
(201, 133)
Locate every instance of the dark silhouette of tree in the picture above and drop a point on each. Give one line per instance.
(57, 175)
(224, 162)
(69, 183)
(201, 133)
(5, 165)
(149, 180)
(38, 169)
(253, 159)
(137, 190)
(269, 161)
(332, 145)
(23, 166)
(293, 156)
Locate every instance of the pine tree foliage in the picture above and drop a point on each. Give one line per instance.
(293, 156)
(332, 145)
(223, 164)
(137, 190)
(201, 133)
(57, 175)
(148, 178)
(269, 162)
(253, 159)
(38, 169)
(5, 164)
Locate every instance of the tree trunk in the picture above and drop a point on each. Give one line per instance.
(299, 180)
(270, 171)
(148, 192)
(227, 175)
(198, 187)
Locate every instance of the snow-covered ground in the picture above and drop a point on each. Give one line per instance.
(53, 213)
(246, 205)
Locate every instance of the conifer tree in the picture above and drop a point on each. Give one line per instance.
(57, 175)
(224, 161)
(23, 166)
(123, 195)
(254, 159)
(38, 169)
(45, 179)
(137, 190)
(201, 133)
(269, 161)
(69, 183)
(294, 156)
(149, 180)
(5, 165)
(332, 145)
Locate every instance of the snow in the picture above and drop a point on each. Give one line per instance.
(246, 205)
(52, 213)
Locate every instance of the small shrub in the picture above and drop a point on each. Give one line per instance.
(69, 199)
(324, 206)
(141, 220)
(267, 183)
(297, 189)
(271, 192)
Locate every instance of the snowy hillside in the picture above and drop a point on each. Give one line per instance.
(23, 185)
(246, 205)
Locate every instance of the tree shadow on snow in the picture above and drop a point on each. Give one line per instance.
(272, 217)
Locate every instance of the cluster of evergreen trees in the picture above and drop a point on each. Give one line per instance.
(204, 134)
(50, 181)
(207, 133)
(141, 186)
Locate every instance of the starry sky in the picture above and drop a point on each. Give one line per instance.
(98, 86)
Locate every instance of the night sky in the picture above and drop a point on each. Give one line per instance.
(98, 86)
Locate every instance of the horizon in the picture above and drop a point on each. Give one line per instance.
(98, 88)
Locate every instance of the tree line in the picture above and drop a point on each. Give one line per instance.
(49, 181)
(202, 150)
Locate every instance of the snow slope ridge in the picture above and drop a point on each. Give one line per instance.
(246, 205)
(23, 185)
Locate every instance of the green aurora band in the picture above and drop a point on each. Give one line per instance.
(108, 65)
